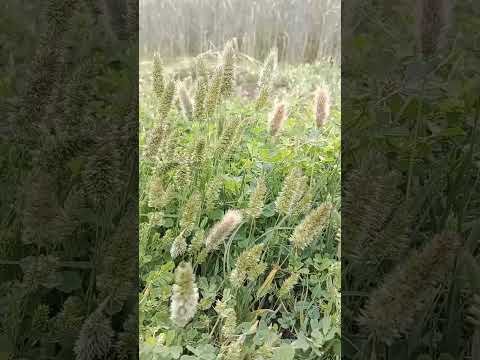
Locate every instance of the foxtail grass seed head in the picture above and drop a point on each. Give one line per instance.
(167, 240)
(185, 102)
(228, 139)
(223, 229)
(213, 94)
(393, 309)
(311, 227)
(257, 200)
(159, 195)
(185, 296)
(288, 285)
(202, 256)
(156, 218)
(199, 99)
(248, 266)
(230, 324)
(322, 107)
(277, 118)
(305, 203)
(157, 76)
(183, 176)
(191, 213)
(95, 338)
(268, 68)
(265, 79)
(229, 316)
(158, 137)
(232, 350)
(228, 69)
(199, 151)
(71, 317)
(293, 189)
(179, 246)
(212, 193)
(166, 99)
(433, 20)
(197, 242)
(262, 98)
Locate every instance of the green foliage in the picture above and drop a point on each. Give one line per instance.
(258, 297)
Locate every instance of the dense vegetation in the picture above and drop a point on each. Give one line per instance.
(239, 209)
(410, 156)
(68, 165)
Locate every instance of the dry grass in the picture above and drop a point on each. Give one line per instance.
(303, 31)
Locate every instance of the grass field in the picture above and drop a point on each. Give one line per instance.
(239, 209)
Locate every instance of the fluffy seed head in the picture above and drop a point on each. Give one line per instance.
(95, 338)
(212, 193)
(199, 98)
(322, 107)
(159, 195)
(213, 95)
(197, 242)
(265, 79)
(267, 69)
(185, 296)
(392, 310)
(157, 76)
(248, 266)
(288, 285)
(157, 139)
(228, 139)
(223, 229)
(228, 69)
(166, 99)
(191, 213)
(228, 314)
(293, 189)
(257, 200)
(179, 246)
(311, 227)
(277, 118)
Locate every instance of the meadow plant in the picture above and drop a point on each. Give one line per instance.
(184, 295)
(277, 118)
(223, 229)
(199, 98)
(222, 205)
(322, 107)
(157, 76)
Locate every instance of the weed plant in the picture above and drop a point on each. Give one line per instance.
(239, 210)
(411, 183)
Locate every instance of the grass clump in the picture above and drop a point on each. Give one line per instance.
(232, 194)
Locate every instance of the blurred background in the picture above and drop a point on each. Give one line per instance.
(302, 30)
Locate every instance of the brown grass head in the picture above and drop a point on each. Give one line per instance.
(277, 118)
(322, 107)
